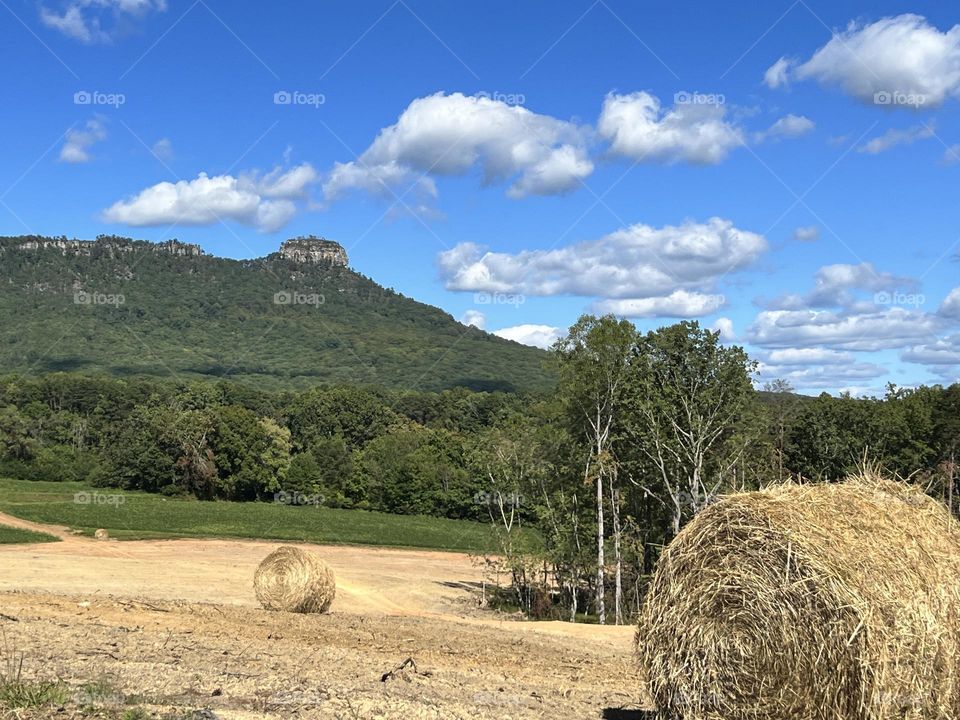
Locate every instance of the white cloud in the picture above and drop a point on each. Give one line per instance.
(818, 378)
(266, 203)
(76, 148)
(942, 351)
(678, 304)
(893, 137)
(878, 330)
(951, 156)
(288, 184)
(789, 126)
(837, 285)
(778, 74)
(163, 149)
(951, 305)
(807, 356)
(635, 262)
(83, 20)
(809, 233)
(695, 132)
(541, 336)
(725, 327)
(895, 56)
(474, 318)
(445, 135)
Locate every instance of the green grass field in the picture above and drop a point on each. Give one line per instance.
(9, 536)
(136, 515)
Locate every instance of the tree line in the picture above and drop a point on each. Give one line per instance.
(582, 485)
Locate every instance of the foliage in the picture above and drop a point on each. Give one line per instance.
(209, 317)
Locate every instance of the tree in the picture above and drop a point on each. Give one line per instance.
(689, 398)
(16, 442)
(252, 454)
(593, 361)
(783, 406)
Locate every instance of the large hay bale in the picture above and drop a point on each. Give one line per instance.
(294, 580)
(815, 602)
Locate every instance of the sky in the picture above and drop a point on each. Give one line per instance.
(783, 172)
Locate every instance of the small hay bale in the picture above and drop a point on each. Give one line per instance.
(294, 580)
(101, 534)
(821, 602)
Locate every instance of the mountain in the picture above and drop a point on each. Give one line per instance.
(295, 318)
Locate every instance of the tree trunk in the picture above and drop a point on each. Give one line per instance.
(618, 561)
(601, 610)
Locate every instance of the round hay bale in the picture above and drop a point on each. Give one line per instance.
(294, 580)
(101, 534)
(822, 602)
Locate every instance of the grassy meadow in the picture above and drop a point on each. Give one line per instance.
(137, 515)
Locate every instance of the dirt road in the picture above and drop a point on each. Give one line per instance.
(174, 625)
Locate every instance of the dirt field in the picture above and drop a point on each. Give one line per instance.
(172, 626)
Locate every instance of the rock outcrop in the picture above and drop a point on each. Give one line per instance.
(314, 251)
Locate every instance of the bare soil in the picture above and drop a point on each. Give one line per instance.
(172, 626)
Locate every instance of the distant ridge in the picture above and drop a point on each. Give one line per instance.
(297, 317)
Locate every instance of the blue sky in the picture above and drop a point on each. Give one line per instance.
(784, 172)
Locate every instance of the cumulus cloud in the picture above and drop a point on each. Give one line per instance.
(893, 137)
(678, 304)
(444, 135)
(266, 203)
(76, 147)
(97, 21)
(878, 330)
(942, 351)
(808, 233)
(474, 318)
(837, 286)
(724, 326)
(636, 126)
(806, 356)
(950, 308)
(789, 126)
(639, 261)
(818, 378)
(903, 56)
(815, 369)
(541, 336)
(778, 74)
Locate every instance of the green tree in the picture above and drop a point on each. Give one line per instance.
(593, 361)
(690, 397)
